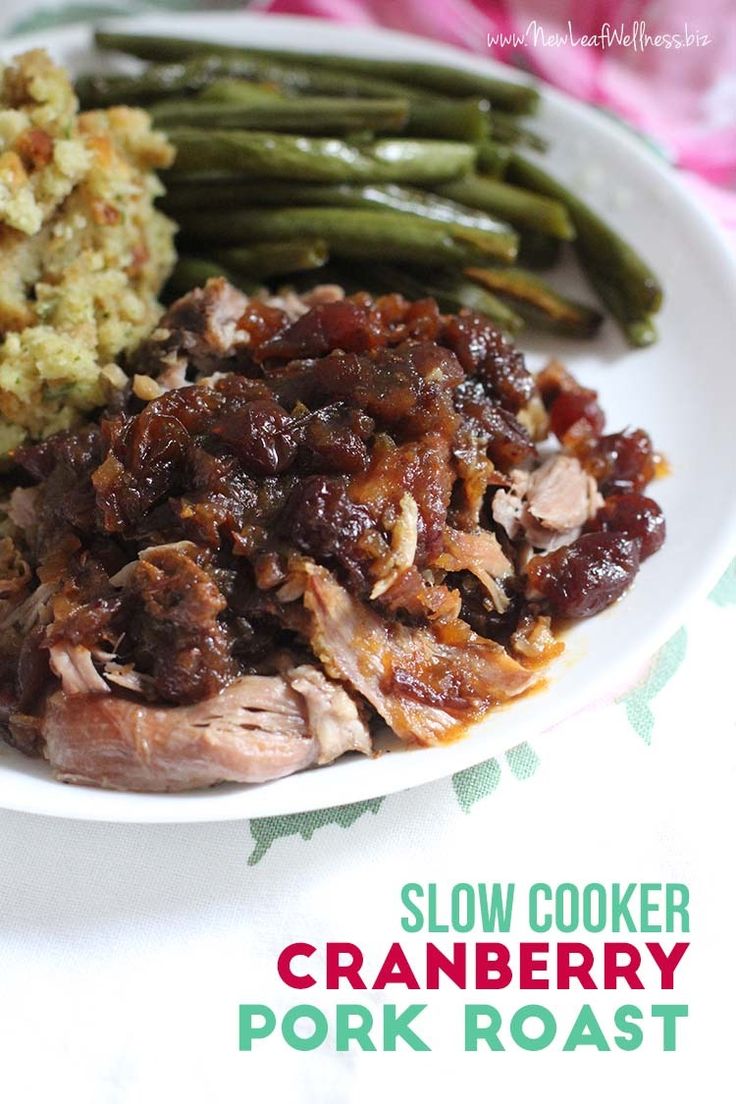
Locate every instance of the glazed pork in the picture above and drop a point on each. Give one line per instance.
(307, 517)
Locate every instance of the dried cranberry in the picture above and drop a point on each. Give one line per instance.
(321, 520)
(507, 441)
(621, 461)
(260, 436)
(333, 439)
(637, 517)
(584, 577)
(570, 406)
(338, 325)
(407, 387)
(484, 352)
(262, 323)
(157, 447)
(423, 320)
(78, 451)
(145, 463)
(195, 407)
(552, 380)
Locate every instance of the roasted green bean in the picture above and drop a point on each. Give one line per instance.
(505, 128)
(459, 120)
(622, 278)
(638, 329)
(492, 158)
(520, 207)
(330, 160)
(275, 258)
(538, 251)
(192, 272)
(356, 234)
(287, 140)
(446, 79)
(218, 191)
(462, 120)
(537, 302)
(302, 115)
(180, 78)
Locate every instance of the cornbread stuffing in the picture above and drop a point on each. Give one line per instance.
(83, 253)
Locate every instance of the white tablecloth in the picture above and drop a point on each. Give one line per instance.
(126, 951)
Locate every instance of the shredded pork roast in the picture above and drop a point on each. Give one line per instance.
(307, 516)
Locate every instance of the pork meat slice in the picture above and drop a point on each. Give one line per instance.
(23, 508)
(428, 684)
(332, 715)
(561, 494)
(482, 555)
(199, 330)
(74, 665)
(259, 728)
(549, 506)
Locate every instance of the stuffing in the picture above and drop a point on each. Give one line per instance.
(83, 252)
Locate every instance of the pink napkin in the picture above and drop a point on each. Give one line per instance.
(682, 97)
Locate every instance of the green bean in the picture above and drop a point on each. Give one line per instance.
(505, 128)
(221, 191)
(330, 160)
(623, 279)
(193, 272)
(537, 301)
(638, 329)
(493, 158)
(453, 293)
(230, 90)
(463, 120)
(640, 333)
(521, 208)
(517, 98)
(537, 250)
(445, 79)
(256, 109)
(376, 235)
(304, 115)
(199, 71)
(264, 259)
(158, 81)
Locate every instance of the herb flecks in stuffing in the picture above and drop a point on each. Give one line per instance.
(83, 253)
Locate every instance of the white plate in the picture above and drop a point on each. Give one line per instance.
(683, 390)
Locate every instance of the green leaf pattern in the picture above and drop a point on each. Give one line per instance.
(523, 761)
(663, 667)
(266, 830)
(475, 783)
(724, 592)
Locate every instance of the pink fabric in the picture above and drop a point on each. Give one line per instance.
(685, 99)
